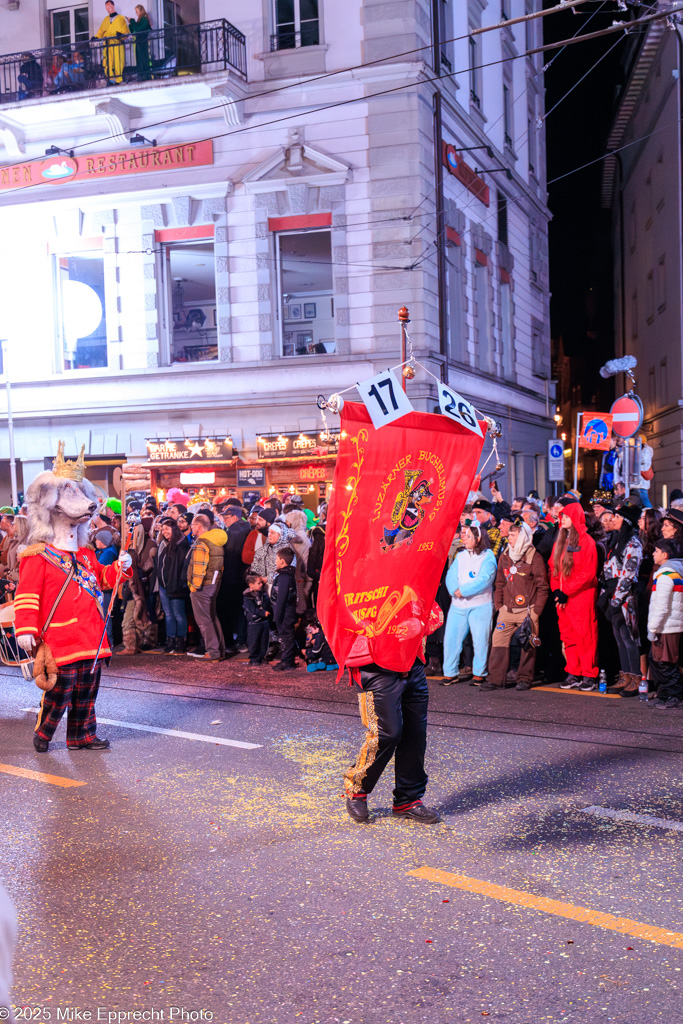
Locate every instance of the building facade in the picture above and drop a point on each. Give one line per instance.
(642, 187)
(235, 204)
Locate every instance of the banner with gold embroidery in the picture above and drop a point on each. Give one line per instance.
(398, 493)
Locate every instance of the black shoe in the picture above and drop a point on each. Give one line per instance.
(180, 646)
(588, 684)
(169, 647)
(282, 667)
(670, 704)
(523, 684)
(418, 812)
(96, 744)
(40, 745)
(198, 652)
(450, 681)
(357, 808)
(486, 685)
(571, 683)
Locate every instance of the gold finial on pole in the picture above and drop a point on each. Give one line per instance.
(404, 320)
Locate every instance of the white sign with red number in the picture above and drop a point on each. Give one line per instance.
(627, 416)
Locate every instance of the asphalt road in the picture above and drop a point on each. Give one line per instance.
(205, 881)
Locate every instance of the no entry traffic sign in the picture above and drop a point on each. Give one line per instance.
(627, 416)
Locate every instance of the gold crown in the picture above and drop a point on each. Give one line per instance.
(70, 470)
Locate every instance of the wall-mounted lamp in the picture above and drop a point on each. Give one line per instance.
(140, 140)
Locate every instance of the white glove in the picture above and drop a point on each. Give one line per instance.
(652, 636)
(26, 641)
(125, 561)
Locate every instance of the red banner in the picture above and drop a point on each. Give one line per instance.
(397, 496)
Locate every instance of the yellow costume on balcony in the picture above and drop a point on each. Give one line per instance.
(114, 54)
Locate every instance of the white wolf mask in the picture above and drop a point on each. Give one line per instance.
(60, 505)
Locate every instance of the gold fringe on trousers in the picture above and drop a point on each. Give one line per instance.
(353, 778)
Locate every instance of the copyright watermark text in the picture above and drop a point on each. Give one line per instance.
(72, 1014)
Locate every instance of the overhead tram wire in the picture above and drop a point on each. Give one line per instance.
(488, 216)
(520, 96)
(357, 99)
(626, 27)
(565, 5)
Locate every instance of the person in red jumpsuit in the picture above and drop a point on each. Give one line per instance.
(573, 584)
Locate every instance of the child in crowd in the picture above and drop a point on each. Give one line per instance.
(259, 614)
(283, 596)
(469, 582)
(665, 624)
(318, 654)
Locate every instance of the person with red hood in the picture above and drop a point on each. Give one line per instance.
(573, 584)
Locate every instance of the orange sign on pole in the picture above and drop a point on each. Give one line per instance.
(596, 432)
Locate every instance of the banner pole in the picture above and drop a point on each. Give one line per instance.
(576, 452)
(403, 320)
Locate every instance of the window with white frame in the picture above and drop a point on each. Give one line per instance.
(69, 25)
(507, 112)
(456, 284)
(190, 282)
(80, 310)
(445, 34)
(306, 296)
(506, 347)
(296, 23)
(482, 315)
(475, 70)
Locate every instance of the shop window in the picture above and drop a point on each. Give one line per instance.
(304, 267)
(297, 23)
(190, 273)
(81, 310)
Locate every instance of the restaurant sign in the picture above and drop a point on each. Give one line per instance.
(297, 446)
(456, 166)
(174, 451)
(105, 165)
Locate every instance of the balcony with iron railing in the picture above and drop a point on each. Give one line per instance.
(160, 54)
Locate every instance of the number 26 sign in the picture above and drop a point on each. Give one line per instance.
(384, 399)
(463, 412)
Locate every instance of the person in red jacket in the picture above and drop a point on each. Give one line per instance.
(573, 585)
(59, 600)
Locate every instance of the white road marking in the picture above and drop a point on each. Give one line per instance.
(638, 819)
(171, 732)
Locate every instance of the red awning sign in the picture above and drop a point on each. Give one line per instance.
(627, 416)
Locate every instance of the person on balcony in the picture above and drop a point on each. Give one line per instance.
(140, 27)
(30, 77)
(71, 75)
(113, 28)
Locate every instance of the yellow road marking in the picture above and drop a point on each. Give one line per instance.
(52, 780)
(623, 925)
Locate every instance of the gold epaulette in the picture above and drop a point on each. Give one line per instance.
(33, 549)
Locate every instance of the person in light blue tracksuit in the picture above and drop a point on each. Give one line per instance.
(470, 582)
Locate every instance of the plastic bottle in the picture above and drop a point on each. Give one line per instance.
(642, 689)
(602, 681)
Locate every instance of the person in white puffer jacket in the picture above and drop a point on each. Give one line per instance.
(665, 624)
(469, 581)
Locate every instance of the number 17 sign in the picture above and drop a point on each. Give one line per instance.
(384, 399)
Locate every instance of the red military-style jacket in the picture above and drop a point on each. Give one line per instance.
(77, 624)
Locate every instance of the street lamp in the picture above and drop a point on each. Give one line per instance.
(10, 424)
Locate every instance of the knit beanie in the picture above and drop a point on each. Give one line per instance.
(105, 537)
(269, 514)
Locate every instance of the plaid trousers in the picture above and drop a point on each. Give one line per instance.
(74, 692)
